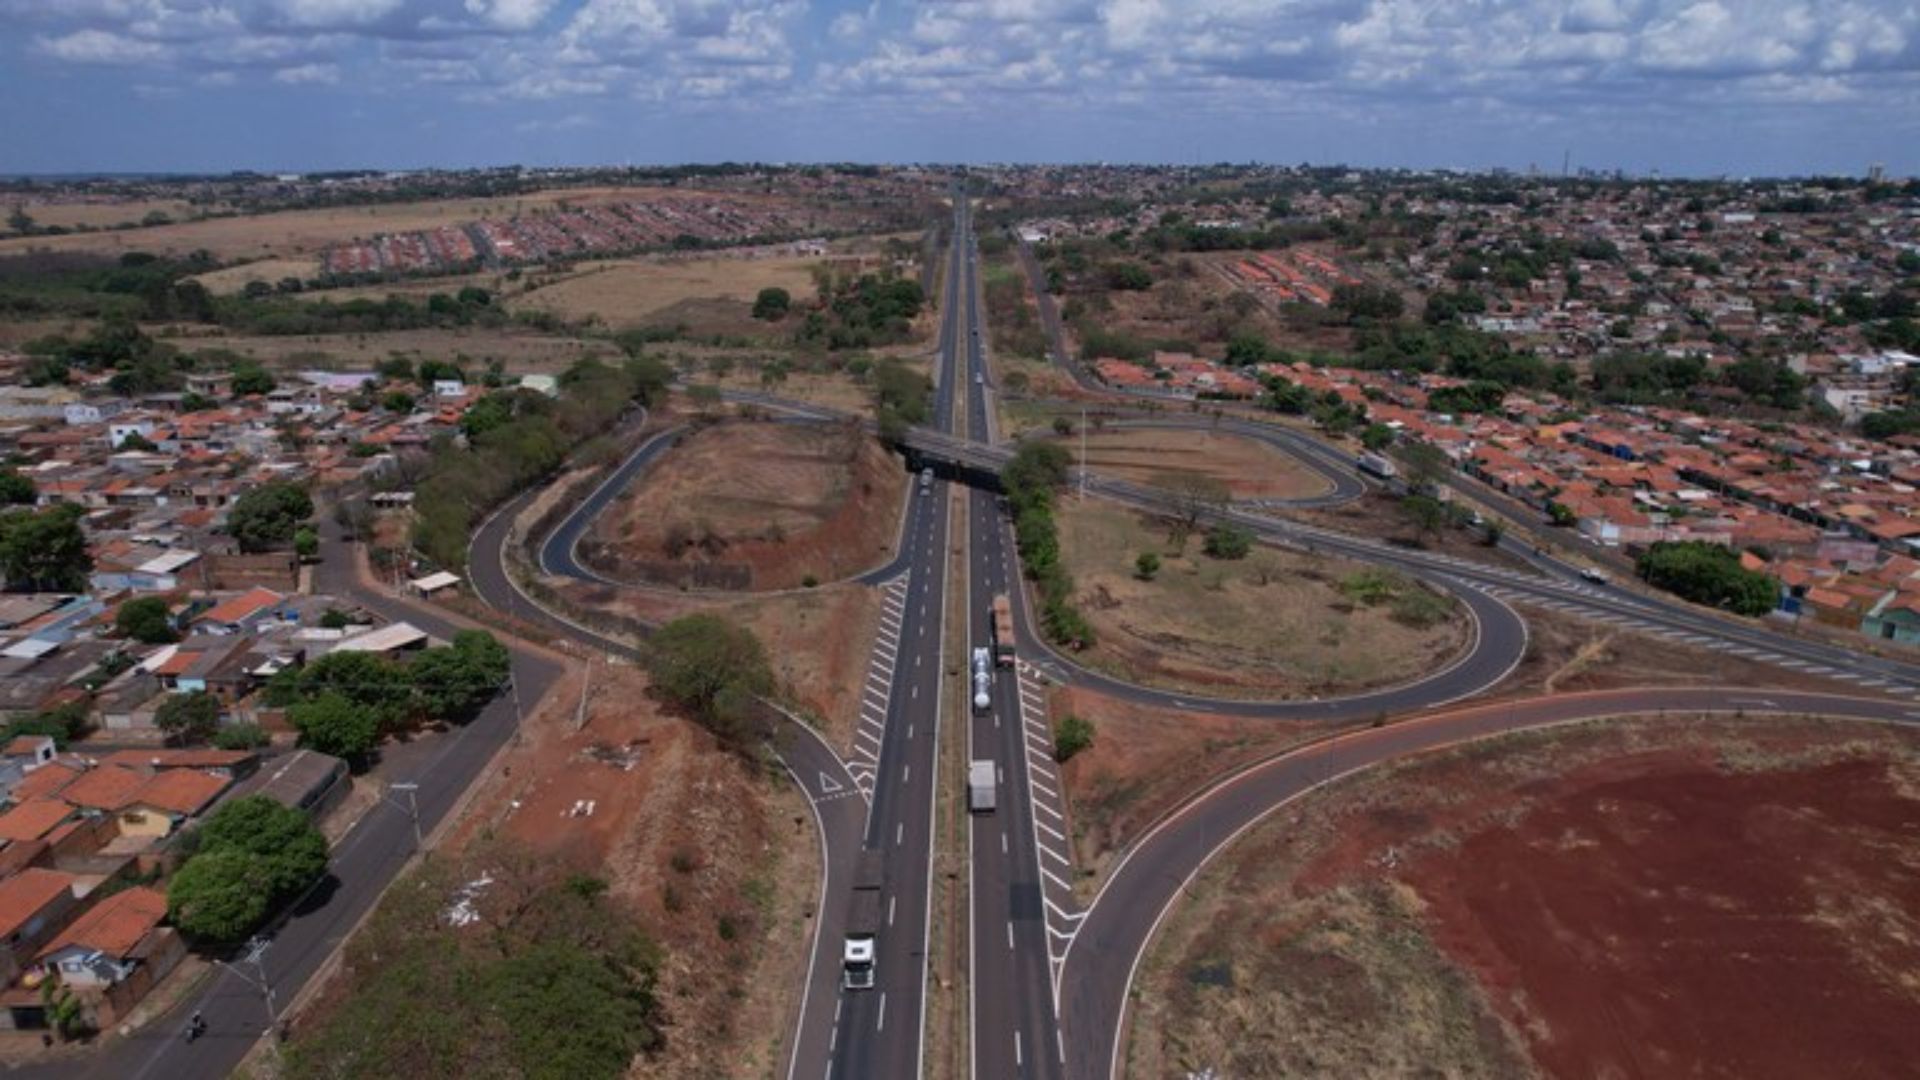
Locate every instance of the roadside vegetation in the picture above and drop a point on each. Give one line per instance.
(1709, 574)
(495, 963)
(1031, 480)
(524, 442)
(245, 862)
(345, 702)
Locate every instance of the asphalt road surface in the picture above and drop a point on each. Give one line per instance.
(1015, 1032)
(881, 1031)
(1103, 957)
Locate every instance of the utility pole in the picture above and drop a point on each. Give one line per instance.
(257, 958)
(1083, 453)
(413, 809)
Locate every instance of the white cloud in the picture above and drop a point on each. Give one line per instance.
(308, 75)
(510, 14)
(102, 47)
(336, 13)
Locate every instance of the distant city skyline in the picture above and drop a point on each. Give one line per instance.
(1685, 87)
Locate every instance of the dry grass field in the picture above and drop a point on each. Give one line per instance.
(1273, 625)
(1682, 896)
(1249, 468)
(102, 215)
(755, 506)
(628, 292)
(296, 232)
(521, 350)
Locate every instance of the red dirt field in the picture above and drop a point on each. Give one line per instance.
(1657, 917)
(1721, 897)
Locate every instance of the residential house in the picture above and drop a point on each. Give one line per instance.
(34, 904)
(305, 780)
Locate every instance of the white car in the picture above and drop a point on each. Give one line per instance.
(1598, 577)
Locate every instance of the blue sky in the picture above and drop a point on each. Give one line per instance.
(1743, 87)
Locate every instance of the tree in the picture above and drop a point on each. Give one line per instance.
(1376, 437)
(772, 304)
(369, 681)
(293, 850)
(1074, 734)
(333, 725)
(245, 735)
(1191, 496)
(252, 379)
(1426, 466)
(1146, 566)
(218, 896)
(1127, 277)
(145, 620)
(1228, 542)
(397, 401)
(20, 221)
(1709, 574)
(191, 716)
(454, 682)
(45, 551)
(16, 490)
(714, 669)
(1367, 302)
(266, 517)
(306, 543)
(1426, 513)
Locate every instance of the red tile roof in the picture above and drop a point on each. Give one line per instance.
(48, 779)
(26, 894)
(33, 819)
(114, 926)
(242, 607)
(179, 791)
(107, 787)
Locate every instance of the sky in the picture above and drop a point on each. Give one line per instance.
(1686, 87)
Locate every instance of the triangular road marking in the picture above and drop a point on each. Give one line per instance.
(828, 785)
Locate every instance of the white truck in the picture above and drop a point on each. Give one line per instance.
(982, 680)
(863, 922)
(982, 780)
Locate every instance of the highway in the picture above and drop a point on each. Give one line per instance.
(1103, 958)
(881, 1031)
(1014, 1030)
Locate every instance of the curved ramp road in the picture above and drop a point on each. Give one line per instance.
(1106, 952)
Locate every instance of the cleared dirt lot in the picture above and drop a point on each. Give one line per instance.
(1734, 897)
(752, 506)
(1275, 624)
(629, 292)
(1249, 468)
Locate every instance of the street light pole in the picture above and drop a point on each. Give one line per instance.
(257, 956)
(413, 809)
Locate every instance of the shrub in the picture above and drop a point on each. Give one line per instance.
(1146, 566)
(1072, 735)
(1228, 542)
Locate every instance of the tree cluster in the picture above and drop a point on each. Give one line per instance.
(556, 981)
(44, 550)
(902, 398)
(266, 517)
(344, 702)
(717, 671)
(252, 856)
(864, 312)
(1038, 469)
(1708, 574)
(520, 440)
